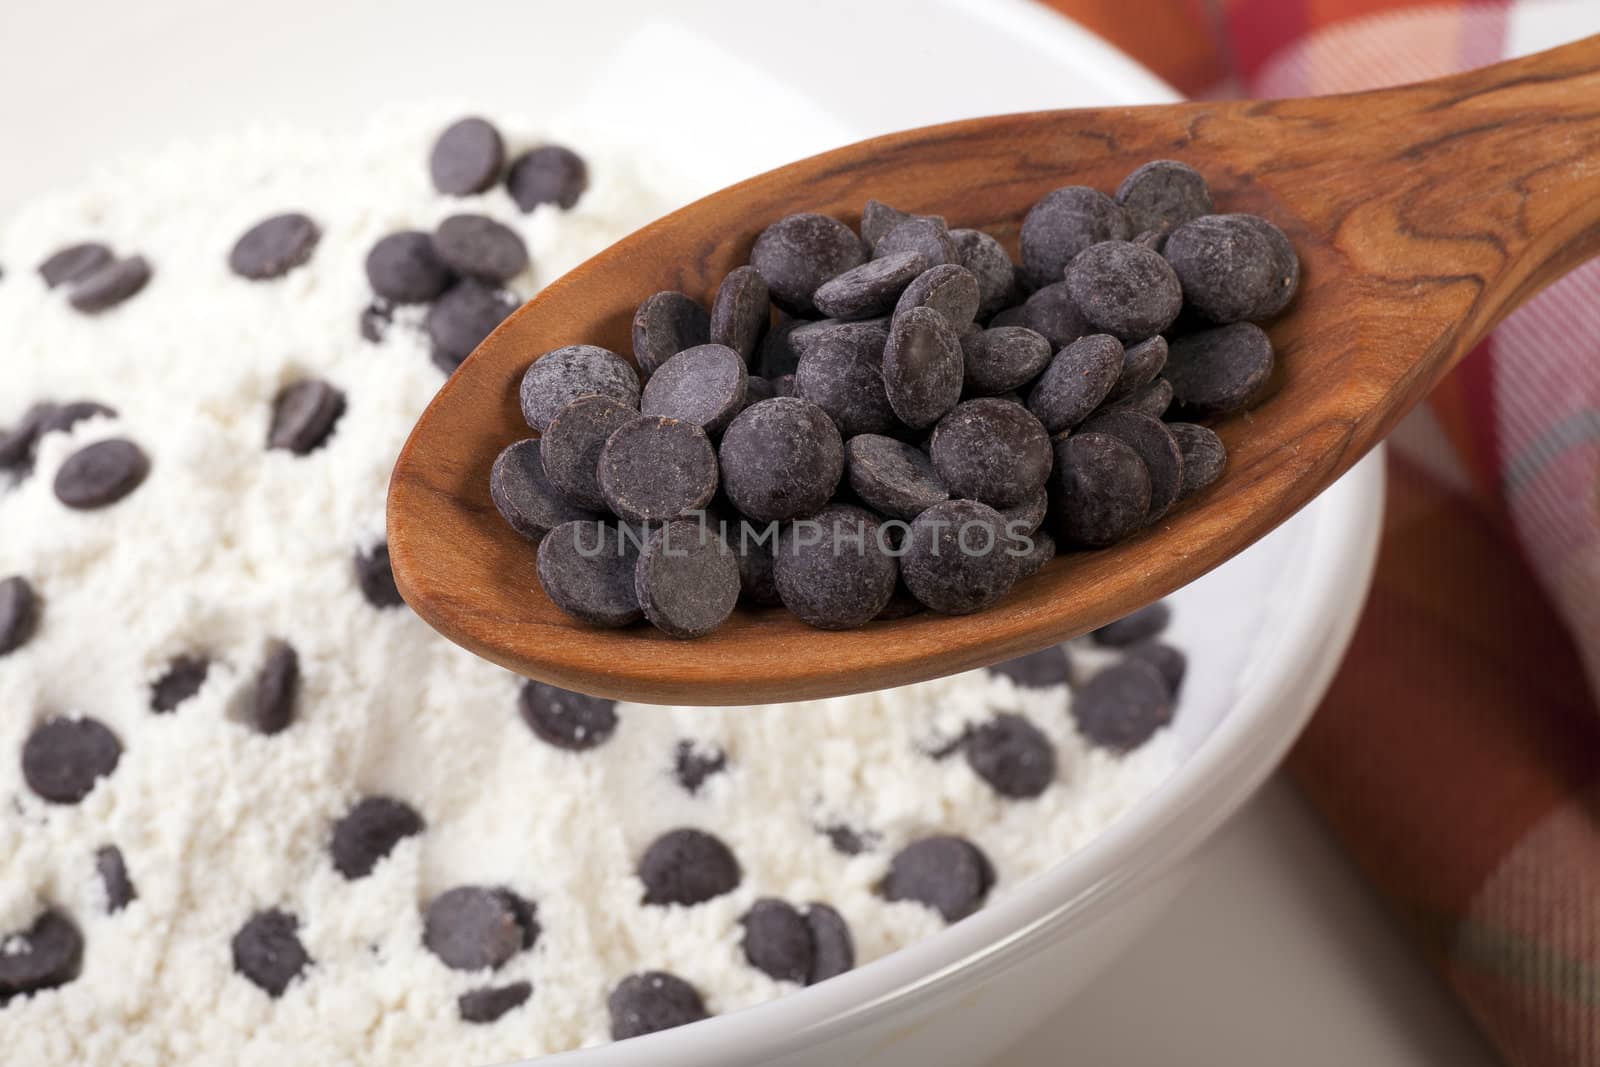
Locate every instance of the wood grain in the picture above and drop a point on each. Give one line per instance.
(1423, 215)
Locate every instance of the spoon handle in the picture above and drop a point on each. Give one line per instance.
(1456, 199)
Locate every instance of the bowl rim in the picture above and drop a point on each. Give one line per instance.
(1155, 834)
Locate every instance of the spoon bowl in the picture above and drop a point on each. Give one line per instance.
(1422, 216)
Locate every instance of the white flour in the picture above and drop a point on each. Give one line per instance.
(228, 546)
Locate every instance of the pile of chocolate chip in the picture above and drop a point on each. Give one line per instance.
(925, 423)
(460, 269)
(65, 757)
(96, 278)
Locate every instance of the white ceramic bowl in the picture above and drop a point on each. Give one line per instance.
(1265, 632)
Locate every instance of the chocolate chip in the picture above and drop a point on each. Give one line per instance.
(64, 758)
(1124, 289)
(447, 362)
(1003, 358)
(304, 414)
(668, 323)
(576, 722)
(1163, 195)
(74, 262)
(687, 867)
(922, 366)
(842, 373)
(1045, 669)
(924, 234)
(1145, 623)
(848, 842)
(1122, 706)
(991, 450)
(1102, 490)
(47, 955)
(1285, 273)
(740, 313)
(757, 389)
(17, 444)
(986, 258)
(105, 287)
(687, 580)
(1012, 755)
(1041, 550)
(807, 333)
(752, 548)
(877, 219)
(1155, 240)
(655, 468)
(892, 477)
(1028, 515)
(1053, 314)
(276, 689)
(704, 386)
(375, 577)
(1063, 224)
(477, 246)
(466, 158)
(565, 374)
(948, 874)
(375, 320)
(474, 928)
(405, 268)
(113, 871)
(834, 570)
(1170, 663)
(468, 312)
(1148, 437)
(777, 941)
(268, 953)
(523, 495)
(954, 557)
(650, 1002)
(901, 605)
(1140, 364)
(570, 447)
(1227, 267)
(369, 831)
(1079, 377)
(587, 570)
(781, 459)
(1153, 400)
(783, 385)
(949, 289)
(274, 246)
(796, 254)
(1220, 371)
(547, 175)
(833, 949)
(695, 762)
(1204, 456)
(182, 680)
(870, 289)
(776, 355)
(19, 613)
(490, 1003)
(101, 474)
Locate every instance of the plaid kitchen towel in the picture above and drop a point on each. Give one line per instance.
(1457, 755)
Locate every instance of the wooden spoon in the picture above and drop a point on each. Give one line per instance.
(1422, 215)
